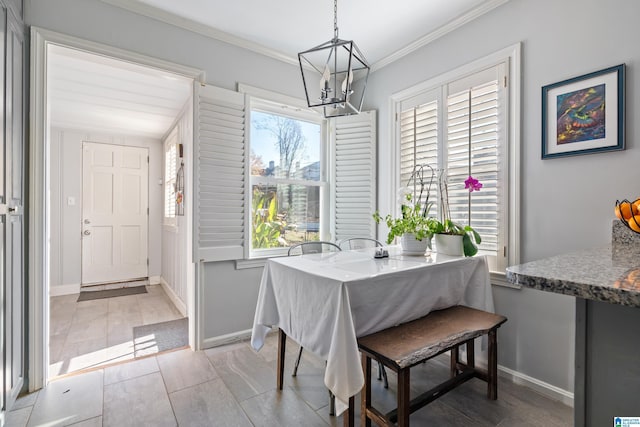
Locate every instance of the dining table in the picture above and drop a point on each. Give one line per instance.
(325, 301)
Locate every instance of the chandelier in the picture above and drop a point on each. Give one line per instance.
(334, 74)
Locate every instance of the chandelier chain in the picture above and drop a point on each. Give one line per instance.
(335, 19)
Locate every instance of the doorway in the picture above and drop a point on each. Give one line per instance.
(69, 117)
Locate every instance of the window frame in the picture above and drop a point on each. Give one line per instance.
(172, 139)
(510, 57)
(282, 105)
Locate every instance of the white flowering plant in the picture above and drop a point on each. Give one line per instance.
(414, 210)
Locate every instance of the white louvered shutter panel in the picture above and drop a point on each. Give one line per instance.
(354, 176)
(219, 138)
(419, 144)
(472, 147)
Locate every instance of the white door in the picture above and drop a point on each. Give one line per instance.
(115, 189)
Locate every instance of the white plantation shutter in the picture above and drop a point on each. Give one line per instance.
(460, 125)
(473, 147)
(419, 144)
(219, 138)
(354, 176)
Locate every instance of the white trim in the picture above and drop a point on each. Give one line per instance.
(241, 264)
(39, 212)
(56, 291)
(485, 7)
(205, 30)
(65, 40)
(38, 265)
(227, 339)
(499, 279)
(546, 389)
(175, 299)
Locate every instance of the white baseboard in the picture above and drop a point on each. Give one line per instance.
(226, 339)
(55, 291)
(182, 308)
(155, 280)
(551, 391)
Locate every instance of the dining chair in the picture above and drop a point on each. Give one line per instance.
(359, 243)
(313, 248)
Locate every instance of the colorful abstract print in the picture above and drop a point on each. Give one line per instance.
(581, 115)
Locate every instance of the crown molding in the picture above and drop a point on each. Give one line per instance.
(436, 34)
(196, 27)
(205, 30)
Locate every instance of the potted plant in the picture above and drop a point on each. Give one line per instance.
(414, 225)
(468, 237)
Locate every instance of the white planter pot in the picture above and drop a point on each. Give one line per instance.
(412, 246)
(449, 244)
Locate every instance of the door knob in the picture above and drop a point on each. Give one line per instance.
(87, 232)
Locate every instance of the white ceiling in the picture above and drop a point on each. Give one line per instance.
(384, 31)
(87, 91)
(104, 94)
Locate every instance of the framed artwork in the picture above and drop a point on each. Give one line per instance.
(584, 114)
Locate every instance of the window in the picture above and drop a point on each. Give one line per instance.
(288, 177)
(170, 171)
(459, 123)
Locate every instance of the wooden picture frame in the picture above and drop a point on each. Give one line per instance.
(584, 114)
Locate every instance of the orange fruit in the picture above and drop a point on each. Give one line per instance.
(634, 223)
(625, 210)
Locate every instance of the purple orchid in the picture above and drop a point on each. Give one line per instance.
(472, 184)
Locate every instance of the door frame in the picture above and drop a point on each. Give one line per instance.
(38, 214)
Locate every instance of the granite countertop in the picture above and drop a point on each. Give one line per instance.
(608, 274)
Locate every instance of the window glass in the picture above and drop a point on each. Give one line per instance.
(170, 164)
(286, 179)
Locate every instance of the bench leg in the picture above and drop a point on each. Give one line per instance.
(404, 397)
(471, 358)
(454, 361)
(492, 369)
(365, 395)
(282, 341)
(348, 419)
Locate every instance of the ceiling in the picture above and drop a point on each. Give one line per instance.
(282, 28)
(108, 95)
(85, 90)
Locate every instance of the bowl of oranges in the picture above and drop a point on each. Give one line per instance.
(629, 213)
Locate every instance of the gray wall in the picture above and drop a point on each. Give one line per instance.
(566, 203)
(66, 181)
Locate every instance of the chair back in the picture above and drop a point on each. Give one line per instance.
(313, 248)
(359, 243)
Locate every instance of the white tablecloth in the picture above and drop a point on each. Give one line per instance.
(324, 301)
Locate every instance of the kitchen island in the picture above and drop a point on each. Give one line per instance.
(606, 284)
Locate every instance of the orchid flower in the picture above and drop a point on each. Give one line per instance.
(472, 184)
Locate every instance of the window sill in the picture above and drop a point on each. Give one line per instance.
(500, 279)
(242, 264)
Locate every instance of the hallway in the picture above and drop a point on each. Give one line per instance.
(99, 332)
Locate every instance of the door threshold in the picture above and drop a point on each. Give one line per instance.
(141, 281)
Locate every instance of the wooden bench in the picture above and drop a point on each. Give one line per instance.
(406, 345)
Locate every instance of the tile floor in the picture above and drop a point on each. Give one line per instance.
(98, 332)
(233, 385)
